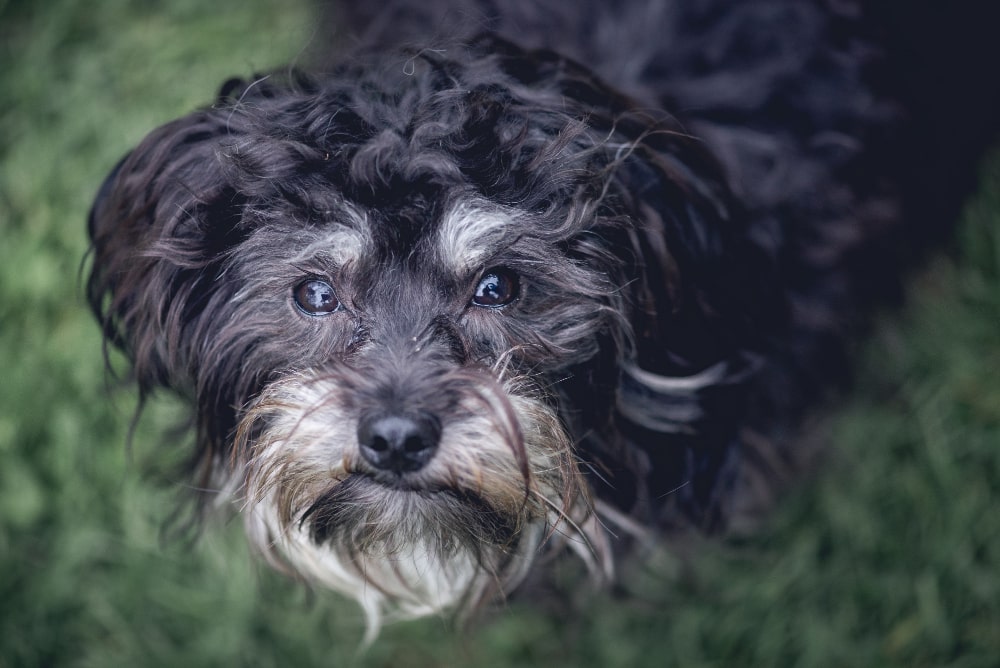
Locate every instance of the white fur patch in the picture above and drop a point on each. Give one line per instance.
(343, 244)
(667, 403)
(407, 584)
(470, 232)
(679, 384)
(399, 569)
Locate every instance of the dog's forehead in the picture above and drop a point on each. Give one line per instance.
(471, 231)
(459, 239)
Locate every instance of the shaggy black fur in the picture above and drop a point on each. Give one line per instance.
(709, 195)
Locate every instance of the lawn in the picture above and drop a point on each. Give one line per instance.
(889, 556)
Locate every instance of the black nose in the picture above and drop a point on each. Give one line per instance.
(398, 443)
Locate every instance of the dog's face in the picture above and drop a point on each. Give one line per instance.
(415, 307)
(407, 445)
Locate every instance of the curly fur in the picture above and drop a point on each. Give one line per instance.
(686, 278)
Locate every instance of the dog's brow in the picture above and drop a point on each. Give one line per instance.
(343, 243)
(469, 231)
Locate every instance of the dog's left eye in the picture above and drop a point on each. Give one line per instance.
(498, 287)
(316, 297)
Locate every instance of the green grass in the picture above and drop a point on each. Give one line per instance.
(890, 557)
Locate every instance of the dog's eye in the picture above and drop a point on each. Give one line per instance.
(316, 297)
(498, 287)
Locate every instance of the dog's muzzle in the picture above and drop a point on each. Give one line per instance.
(413, 489)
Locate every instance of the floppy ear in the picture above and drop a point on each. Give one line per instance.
(705, 294)
(160, 229)
(704, 303)
(156, 227)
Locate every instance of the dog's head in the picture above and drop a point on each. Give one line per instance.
(419, 304)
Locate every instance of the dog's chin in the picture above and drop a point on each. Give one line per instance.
(459, 530)
(400, 549)
(382, 513)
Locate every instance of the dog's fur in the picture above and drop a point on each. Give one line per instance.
(590, 260)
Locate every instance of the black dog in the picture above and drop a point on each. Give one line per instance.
(472, 293)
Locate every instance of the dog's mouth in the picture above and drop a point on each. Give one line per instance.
(378, 514)
(398, 482)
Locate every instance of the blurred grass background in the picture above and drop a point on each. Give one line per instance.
(891, 557)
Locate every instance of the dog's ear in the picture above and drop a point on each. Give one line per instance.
(703, 300)
(705, 287)
(157, 226)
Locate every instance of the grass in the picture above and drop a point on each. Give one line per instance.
(888, 558)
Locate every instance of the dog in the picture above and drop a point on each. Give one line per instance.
(490, 283)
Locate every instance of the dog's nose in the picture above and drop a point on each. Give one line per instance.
(398, 443)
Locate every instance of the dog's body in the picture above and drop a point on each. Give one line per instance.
(445, 306)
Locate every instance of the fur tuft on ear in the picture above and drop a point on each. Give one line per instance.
(164, 218)
(157, 227)
(707, 308)
(160, 228)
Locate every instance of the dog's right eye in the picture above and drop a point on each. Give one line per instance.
(316, 297)
(498, 287)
